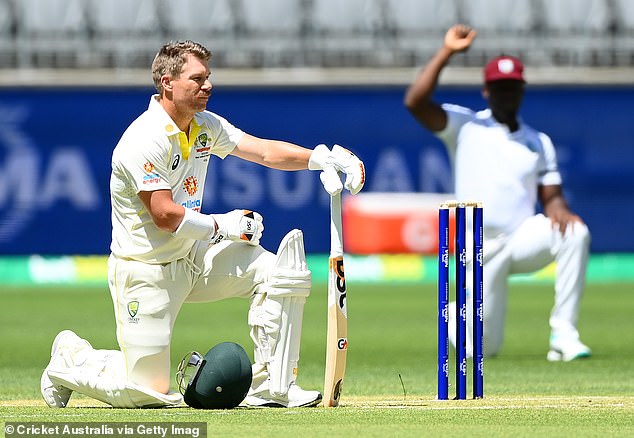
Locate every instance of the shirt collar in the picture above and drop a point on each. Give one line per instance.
(168, 125)
(486, 115)
(170, 128)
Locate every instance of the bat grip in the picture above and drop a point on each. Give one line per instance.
(336, 236)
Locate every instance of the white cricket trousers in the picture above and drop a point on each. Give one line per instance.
(533, 246)
(147, 299)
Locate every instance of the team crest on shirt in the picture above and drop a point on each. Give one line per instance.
(190, 185)
(200, 146)
(150, 177)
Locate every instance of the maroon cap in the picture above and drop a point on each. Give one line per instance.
(504, 67)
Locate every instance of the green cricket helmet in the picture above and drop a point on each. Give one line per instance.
(218, 380)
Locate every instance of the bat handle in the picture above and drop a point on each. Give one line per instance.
(336, 236)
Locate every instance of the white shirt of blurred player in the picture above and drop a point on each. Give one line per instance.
(498, 167)
(153, 154)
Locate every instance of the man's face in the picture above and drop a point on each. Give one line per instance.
(505, 96)
(191, 90)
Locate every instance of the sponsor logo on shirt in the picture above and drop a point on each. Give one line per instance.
(192, 204)
(190, 185)
(151, 177)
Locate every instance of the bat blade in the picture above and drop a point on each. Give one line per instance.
(337, 332)
(337, 335)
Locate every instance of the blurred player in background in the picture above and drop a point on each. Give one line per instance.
(165, 251)
(509, 166)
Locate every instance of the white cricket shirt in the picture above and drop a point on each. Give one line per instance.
(498, 167)
(154, 154)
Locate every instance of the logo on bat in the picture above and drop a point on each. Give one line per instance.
(336, 264)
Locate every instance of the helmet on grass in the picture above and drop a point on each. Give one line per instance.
(218, 380)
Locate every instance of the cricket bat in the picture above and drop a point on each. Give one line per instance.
(337, 333)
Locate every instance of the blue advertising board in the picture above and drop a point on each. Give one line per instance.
(56, 143)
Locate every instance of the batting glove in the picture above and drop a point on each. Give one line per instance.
(239, 225)
(342, 160)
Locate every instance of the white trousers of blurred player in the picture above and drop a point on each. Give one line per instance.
(533, 246)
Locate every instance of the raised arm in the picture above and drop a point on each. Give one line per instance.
(418, 98)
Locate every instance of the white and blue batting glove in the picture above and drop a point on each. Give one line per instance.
(239, 225)
(342, 160)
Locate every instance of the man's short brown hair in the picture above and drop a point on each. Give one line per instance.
(171, 58)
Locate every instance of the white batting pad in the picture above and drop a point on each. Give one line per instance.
(276, 320)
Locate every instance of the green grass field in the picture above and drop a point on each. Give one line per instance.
(392, 338)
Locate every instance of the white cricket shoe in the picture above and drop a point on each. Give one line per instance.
(567, 348)
(65, 343)
(300, 398)
(295, 398)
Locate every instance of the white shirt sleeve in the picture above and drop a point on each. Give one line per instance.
(145, 166)
(457, 116)
(225, 135)
(549, 174)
